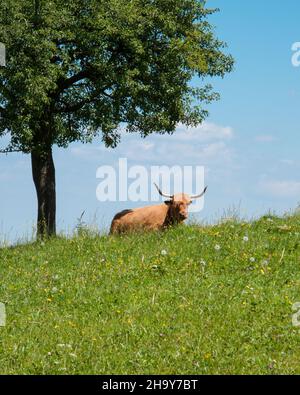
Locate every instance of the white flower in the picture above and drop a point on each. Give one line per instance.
(265, 262)
(202, 262)
(245, 239)
(252, 259)
(54, 289)
(217, 247)
(56, 277)
(62, 345)
(163, 252)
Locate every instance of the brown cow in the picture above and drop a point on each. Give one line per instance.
(157, 217)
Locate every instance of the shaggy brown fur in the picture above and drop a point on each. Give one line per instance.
(156, 217)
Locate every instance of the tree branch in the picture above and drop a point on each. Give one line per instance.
(66, 83)
(9, 150)
(77, 106)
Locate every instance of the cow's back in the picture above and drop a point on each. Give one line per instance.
(150, 218)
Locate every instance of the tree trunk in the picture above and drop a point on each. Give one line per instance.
(43, 173)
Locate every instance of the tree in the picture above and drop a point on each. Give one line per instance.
(79, 68)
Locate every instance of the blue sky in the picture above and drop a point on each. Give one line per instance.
(249, 145)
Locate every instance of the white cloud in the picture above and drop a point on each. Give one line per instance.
(147, 146)
(174, 151)
(89, 152)
(281, 188)
(206, 143)
(207, 131)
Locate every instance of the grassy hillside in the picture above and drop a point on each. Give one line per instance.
(190, 300)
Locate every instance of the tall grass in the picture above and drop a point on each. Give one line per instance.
(194, 299)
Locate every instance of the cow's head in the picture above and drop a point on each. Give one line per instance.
(179, 203)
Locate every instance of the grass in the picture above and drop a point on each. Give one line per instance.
(155, 303)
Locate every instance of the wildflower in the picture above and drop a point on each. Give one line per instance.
(62, 345)
(245, 239)
(163, 252)
(265, 262)
(54, 289)
(202, 262)
(252, 259)
(217, 247)
(56, 277)
(284, 227)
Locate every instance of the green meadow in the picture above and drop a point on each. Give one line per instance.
(191, 300)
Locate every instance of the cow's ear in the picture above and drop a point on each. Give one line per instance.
(168, 202)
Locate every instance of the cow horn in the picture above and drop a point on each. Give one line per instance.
(163, 194)
(198, 196)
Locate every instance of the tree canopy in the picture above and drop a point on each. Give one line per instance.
(81, 67)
